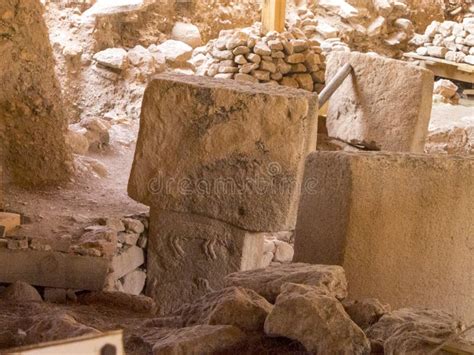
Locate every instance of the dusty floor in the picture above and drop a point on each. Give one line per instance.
(443, 115)
(67, 209)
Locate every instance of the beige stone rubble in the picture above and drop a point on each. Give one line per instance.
(240, 307)
(268, 282)
(316, 320)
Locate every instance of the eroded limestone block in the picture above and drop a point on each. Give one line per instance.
(384, 104)
(189, 255)
(269, 281)
(227, 150)
(316, 320)
(401, 225)
(405, 331)
(53, 269)
(237, 306)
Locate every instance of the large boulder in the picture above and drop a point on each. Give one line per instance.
(406, 331)
(384, 104)
(175, 52)
(316, 320)
(268, 282)
(224, 149)
(365, 312)
(235, 306)
(113, 58)
(394, 222)
(187, 33)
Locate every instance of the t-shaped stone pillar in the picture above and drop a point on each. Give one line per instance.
(228, 157)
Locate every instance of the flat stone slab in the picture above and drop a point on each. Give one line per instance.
(50, 268)
(189, 256)
(401, 225)
(385, 104)
(53, 269)
(224, 149)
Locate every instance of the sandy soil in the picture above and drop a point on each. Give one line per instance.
(67, 209)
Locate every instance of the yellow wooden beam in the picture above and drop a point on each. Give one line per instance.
(273, 15)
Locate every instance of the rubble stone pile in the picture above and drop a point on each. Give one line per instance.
(287, 58)
(107, 256)
(446, 91)
(297, 308)
(448, 40)
(457, 10)
(378, 26)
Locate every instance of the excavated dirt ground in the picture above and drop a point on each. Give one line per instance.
(67, 209)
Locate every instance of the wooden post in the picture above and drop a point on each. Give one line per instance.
(273, 15)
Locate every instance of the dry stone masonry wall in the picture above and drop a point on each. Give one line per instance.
(448, 40)
(287, 58)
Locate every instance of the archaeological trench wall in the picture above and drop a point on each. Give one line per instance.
(31, 110)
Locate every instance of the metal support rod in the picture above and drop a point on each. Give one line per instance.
(334, 84)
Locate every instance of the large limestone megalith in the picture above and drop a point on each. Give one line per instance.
(220, 163)
(385, 104)
(222, 149)
(401, 225)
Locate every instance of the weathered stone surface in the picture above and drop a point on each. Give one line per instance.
(404, 331)
(187, 33)
(55, 295)
(236, 306)
(317, 321)
(451, 135)
(384, 105)
(377, 231)
(120, 300)
(445, 88)
(268, 282)
(175, 51)
(53, 269)
(32, 120)
(126, 262)
(189, 255)
(99, 239)
(227, 150)
(200, 339)
(284, 252)
(134, 282)
(114, 58)
(20, 291)
(365, 312)
(133, 225)
(55, 327)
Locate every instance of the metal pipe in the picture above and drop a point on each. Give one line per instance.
(334, 84)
